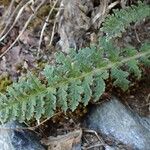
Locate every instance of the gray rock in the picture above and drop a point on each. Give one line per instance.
(115, 120)
(145, 121)
(109, 148)
(17, 140)
(76, 147)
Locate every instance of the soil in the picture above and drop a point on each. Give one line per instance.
(23, 56)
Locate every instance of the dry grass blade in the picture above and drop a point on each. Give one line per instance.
(102, 11)
(96, 134)
(54, 26)
(45, 24)
(101, 142)
(113, 5)
(23, 29)
(20, 34)
(8, 13)
(16, 19)
(10, 19)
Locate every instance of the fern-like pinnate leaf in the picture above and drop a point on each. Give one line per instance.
(50, 103)
(74, 95)
(86, 84)
(65, 88)
(145, 60)
(62, 97)
(77, 77)
(120, 77)
(99, 88)
(115, 24)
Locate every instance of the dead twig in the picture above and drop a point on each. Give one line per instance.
(54, 26)
(96, 134)
(45, 24)
(10, 17)
(24, 28)
(136, 34)
(103, 10)
(16, 19)
(92, 146)
(113, 5)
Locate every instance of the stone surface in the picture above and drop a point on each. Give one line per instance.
(109, 148)
(17, 140)
(77, 147)
(115, 120)
(145, 121)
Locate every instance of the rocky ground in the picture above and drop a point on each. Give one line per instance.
(73, 25)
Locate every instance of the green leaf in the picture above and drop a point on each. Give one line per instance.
(4, 115)
(134, 68)
(50, 103)
(49, 74)
(62, 97)
(75, 91)
(39, 111)
(111, 51)
(146, 59)
(34, 82)
(116, 23)
(79, 75)
(30, 108)
(64, 63)
(120, 77)
(22, 107)
(99, 87)
(87, 82)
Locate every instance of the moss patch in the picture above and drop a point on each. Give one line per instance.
(4, 82)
